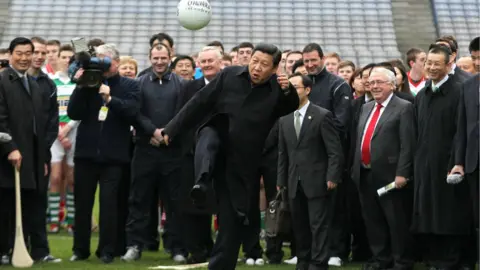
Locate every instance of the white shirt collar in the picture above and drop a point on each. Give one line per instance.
(206, 81)
(303, 109)
(367, 99)
(440, 82)
(452, 71)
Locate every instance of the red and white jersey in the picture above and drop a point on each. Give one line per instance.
(415, 86)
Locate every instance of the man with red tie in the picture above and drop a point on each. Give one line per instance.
(384, 154)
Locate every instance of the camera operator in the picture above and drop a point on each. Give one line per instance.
(103, 141)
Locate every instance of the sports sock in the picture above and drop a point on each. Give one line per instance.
(54, 206)
(70, 209)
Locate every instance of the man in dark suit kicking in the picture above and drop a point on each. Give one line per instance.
(250, 99)
(384, 153)
(310, 158)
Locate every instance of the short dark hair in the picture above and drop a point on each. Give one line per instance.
(450, 43)
(440, 49)
(286, 51)
(4, 51)
(346, 63)
(474, 45)
(66, 48)
(159, 47)
(246, 45)
(270, 50)
(453, 40)
(38, 40)
(95, 42)
(405, 87)
(54, 42)
(306, 81)
(294, 52)
(234, 49)
(161, 37)
(182, 57)
(368, 66)
(216, 43)
(411, 55)
(297, 64)
(19, 41)
(386, 65)
(356, 74)
(311, 47)
(227, 57)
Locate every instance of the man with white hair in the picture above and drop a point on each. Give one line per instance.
(384, 154)
(102, 151)
(197, 218)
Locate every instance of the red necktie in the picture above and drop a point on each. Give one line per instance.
(368, 136)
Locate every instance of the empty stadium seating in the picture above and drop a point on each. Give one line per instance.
(361, 30)
(460, 18)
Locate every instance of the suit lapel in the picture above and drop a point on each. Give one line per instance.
(307, 119)
(17, 79)
(291, 128)
(362, 122)
(386, 114)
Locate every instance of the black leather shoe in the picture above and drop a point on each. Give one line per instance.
(199, 195)
(106, 259)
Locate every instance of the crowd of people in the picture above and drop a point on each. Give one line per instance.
(221, 133)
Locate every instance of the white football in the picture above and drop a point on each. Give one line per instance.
(194, 14)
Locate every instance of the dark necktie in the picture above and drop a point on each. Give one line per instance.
(25, 83)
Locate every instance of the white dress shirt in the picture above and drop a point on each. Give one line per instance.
(302, 111)
(206, 81)
(384, 105)
(439, 83)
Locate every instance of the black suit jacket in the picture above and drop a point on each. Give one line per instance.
(466, 153)
(460, 75)
(22, 115)
(314, 158)
(393, 142)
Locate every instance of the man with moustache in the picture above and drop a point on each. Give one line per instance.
(27, 151)
(155, 166)
(40, 249)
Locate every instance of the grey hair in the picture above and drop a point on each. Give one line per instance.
(211, 48)
(388, 73)
(108, 49)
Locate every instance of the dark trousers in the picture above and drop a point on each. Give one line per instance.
(251, 237)
(198, 235)
(153, 169)
(230, 233)
(123, 192)
(88, 174)
(274, 245)
(311, 218)
(38, 236)
(470, 248)
(387, 223)
(196, 222)
(358, 245)
(7, 220)
(337, 235)
(442, 251)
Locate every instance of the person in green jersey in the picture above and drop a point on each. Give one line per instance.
(63, 148)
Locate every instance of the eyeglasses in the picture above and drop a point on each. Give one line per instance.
(371, 83)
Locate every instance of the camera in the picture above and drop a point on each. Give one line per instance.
(93, 67)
